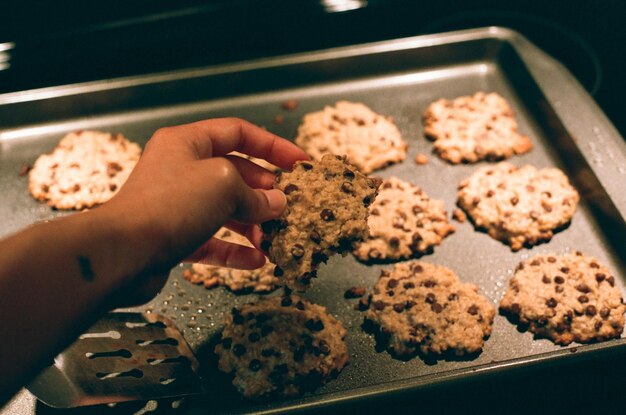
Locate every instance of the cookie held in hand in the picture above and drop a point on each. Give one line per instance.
(326, 213)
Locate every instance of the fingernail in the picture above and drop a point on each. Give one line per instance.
(276, 199)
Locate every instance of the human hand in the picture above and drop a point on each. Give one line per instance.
(185, 187)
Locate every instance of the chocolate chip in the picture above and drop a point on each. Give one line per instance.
(390, 293)
(605, 312)
(112, 187)
(319, 257)
(24, 169)
(583, 299)
(409, 304)
(600, 277)
(379, 305)
(591, 310)
(514, 200)
(398, 307)
(490, 193)
(239, 350)
(315, 236)
(324, 348)
(348, 174)
(475, 201)
(551, 303)
(306, 166)
(392, 283)
(558, 289)
(430, 283)
(227, 342)
(286, 302)
(364, 303)
(290, 188)
(394, 242)
(314, 325)
(255, 365)
(430, 298)
(266, 245)
(453, 297)
(417, 268)
(437, 308)
(559, 280)
(278, 271)
(300, 305)
(387, 185)
(594, 265)
(568, 318)
(417, 209)
(238, 319)
(297, 251)
(515, 308)
(367, 201)
(354, 292)
(374, 212)
(611, 281)
(408, 285)
(254, 337)
(533, 215)
(265, 330)
(267, 352)
(597, 325)
(327, 215)
(347, 187)
(546, 279)
(583, 288)
(416, 237)
(535, 262)
(564, 270)
(473, 309)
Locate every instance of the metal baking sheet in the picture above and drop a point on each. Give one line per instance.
(398, 78)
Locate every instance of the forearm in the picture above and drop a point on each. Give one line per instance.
(55, 279)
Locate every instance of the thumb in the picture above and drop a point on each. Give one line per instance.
(259, 205)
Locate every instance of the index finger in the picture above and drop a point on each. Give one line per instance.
(218, 137)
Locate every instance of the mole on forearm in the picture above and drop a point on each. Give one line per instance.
(85, 268)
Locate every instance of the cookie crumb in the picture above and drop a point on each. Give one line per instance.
(290, 105)
(459, 215)
(279, 119)
(354, 292)
(421, 159)
(24, 169)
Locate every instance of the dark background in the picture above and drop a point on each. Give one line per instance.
(64, 41)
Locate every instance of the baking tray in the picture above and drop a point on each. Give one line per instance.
(398, 78)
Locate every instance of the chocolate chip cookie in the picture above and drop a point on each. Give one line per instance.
(473, 128)
(418, 306)
(566, 298)
(369, 140)
(85, 169)
(281, 346)
(237, 280)
(403, 222)
(520, 206)
(327, 209)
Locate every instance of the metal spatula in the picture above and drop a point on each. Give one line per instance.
(123, 357)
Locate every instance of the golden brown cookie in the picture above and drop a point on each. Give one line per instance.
(474, 128)
(566, 298)
(403, 222)
(281, 346)
(519, 206)
(86, 169)
(211, 276)
(369, 140)
(420, 306)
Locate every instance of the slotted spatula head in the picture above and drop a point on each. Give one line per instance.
(123, 357)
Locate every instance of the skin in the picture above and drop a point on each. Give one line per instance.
(57, 278)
